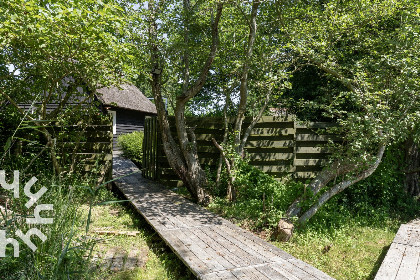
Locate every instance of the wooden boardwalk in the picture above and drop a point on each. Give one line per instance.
(402, 261)
(212, 247)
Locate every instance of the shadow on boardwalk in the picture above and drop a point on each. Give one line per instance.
(212, 247)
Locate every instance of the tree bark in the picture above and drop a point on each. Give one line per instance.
(337, 188)
(231, 192)
(337, 169)
(243, 89)
(224, 141)
(285, 226)
(412, 158)
(182, 156)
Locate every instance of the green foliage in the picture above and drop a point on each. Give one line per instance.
(384, 189)
(60, 52)
(132, 145)
(63, 254)
(260, 198)
(348, 235)
(371, 49)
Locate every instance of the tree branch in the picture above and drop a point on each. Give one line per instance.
(199, 83)
(231, 191)
(253, 123)
(342, 186)
(243, 89)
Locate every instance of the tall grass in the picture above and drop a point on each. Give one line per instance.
(65, 252)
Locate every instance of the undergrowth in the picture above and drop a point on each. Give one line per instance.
(348, 237)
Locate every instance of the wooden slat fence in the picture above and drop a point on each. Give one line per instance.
(278, 146)
(88, 146)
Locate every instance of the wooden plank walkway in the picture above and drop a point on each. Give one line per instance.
(402, 261)
(212, 247)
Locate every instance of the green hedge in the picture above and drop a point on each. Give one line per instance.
(132, 145)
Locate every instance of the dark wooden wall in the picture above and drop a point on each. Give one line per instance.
(128, 121)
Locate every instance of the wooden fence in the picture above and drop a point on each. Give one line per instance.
(278, 146)
(86, 149)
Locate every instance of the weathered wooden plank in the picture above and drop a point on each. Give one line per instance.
(210, 246)
(254, 242)
(264, 150)
(316, 137)
(284, 162)
(249, 273)
(408, 235)
(202, 251)
(283, 268)
(304, 175)
(234, 253)
(86, 147)
(197, 266)
(289, 137)
(409, 263)
(269, 143)
(271, 273)
(223, 275)
(268, 156)
(309, 162)
(235, 238)
(217, 252)
(272, 131)
(315, 273)
(274, 168)
(391, 264)
(315, 124)
(311, 150)
(277, 119)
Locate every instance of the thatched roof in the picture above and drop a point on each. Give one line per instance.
(128, 97)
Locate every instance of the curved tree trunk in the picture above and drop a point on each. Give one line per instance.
(182, 156)
(337, 188)
(285, 226)
(412, 158)
(243, 89)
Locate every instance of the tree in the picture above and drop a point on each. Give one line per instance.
(177, 36)
(372, 49)
(185, 40)
(50, 51)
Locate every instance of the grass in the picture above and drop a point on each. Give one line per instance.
(65, 253)
(161, 262)
(343, 243)
(353, 251)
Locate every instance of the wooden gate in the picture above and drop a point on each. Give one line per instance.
(150, 148)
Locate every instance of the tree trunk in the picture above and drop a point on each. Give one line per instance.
(243, 89)
(337, 188)
(285, 226)
(337, 169)
(182, 156)
(51, 145)
(412, 158)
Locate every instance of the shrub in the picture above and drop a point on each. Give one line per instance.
(261, 199)
(132, 145)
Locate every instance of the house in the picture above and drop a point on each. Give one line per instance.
(126, 103)
(128, 107)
